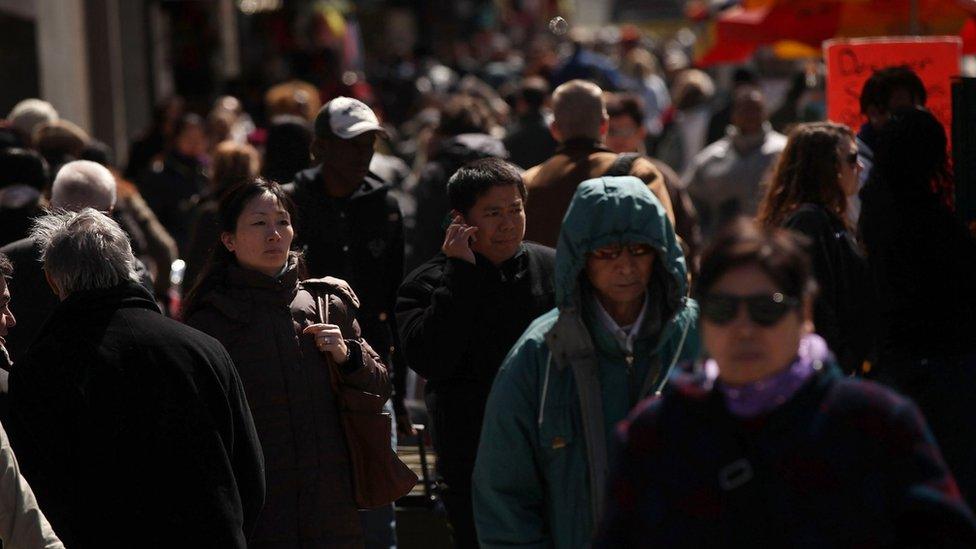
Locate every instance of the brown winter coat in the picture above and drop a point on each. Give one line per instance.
(551, 185)
(260, 320)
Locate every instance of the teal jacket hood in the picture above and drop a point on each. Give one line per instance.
(543, 457)
(609, 210)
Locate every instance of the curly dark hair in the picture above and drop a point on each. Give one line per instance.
(807, 173)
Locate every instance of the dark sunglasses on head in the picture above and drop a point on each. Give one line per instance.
(614, 251)
(851, 158)
(763, 309)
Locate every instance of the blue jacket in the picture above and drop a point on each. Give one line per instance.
(542, 460)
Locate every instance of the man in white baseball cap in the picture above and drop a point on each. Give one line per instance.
(351, 228)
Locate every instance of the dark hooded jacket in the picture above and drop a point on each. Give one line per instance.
(260, 319)
(133, 428)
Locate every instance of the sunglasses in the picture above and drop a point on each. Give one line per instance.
(851, 159)
(764, 310)
(613, 252)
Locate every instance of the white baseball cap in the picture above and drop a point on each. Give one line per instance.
(347, 118)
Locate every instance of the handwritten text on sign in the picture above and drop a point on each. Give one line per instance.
(851, 62)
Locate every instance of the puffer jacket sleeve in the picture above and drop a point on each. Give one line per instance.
(508, 491)
(364, 369)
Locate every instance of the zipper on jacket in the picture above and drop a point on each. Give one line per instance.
(632, 388)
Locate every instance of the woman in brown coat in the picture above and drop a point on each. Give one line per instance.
(251, 298)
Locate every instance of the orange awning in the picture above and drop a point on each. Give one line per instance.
(787, 25)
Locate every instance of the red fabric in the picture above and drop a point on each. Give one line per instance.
(739, 31)
(968, 35)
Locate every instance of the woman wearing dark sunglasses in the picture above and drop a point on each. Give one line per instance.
(767, 444)
(816, 175)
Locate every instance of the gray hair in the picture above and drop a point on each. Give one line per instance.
(84, 250)
(31, 113)
(6, 267)
(83, 184)
(579, 109)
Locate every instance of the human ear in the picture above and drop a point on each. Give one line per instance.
(554, 131)
(53, 285)
(228, 241)
(317, 150)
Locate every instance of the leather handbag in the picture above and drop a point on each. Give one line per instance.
(378, 475)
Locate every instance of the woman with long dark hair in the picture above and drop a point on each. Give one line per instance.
(252, 299)
(808, 193)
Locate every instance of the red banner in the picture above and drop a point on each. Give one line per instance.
(850, 62)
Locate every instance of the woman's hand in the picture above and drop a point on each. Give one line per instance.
(329, 339)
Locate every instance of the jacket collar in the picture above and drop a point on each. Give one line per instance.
(514, 268)
(243, 289)
(311, 181)
(578, 144)
(127, 295)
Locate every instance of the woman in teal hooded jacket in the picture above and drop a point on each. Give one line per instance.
(542, 460)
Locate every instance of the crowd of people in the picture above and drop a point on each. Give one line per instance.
(640, 317)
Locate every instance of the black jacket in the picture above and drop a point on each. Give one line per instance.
(457, 323)
(843, 312)
(529, 141)
(922, 261)
(134, 428)
(360, 240)
(31, 298)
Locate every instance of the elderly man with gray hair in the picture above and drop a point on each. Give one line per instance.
(135, 427)
(579, 124)
(80, 184)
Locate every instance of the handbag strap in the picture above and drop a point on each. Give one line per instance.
(322, 308)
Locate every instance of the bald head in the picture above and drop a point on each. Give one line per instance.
(83, 184)
(579, 110)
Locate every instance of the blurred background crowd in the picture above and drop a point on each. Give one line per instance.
(183, 99)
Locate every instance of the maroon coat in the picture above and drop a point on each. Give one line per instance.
(259, 320)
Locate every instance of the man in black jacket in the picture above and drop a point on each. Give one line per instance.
(79, 184)
(133, 428)
(462, 311)
(351, 228)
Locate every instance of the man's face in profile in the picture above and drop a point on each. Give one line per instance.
(7, 319)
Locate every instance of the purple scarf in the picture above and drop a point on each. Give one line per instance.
(764, 395)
